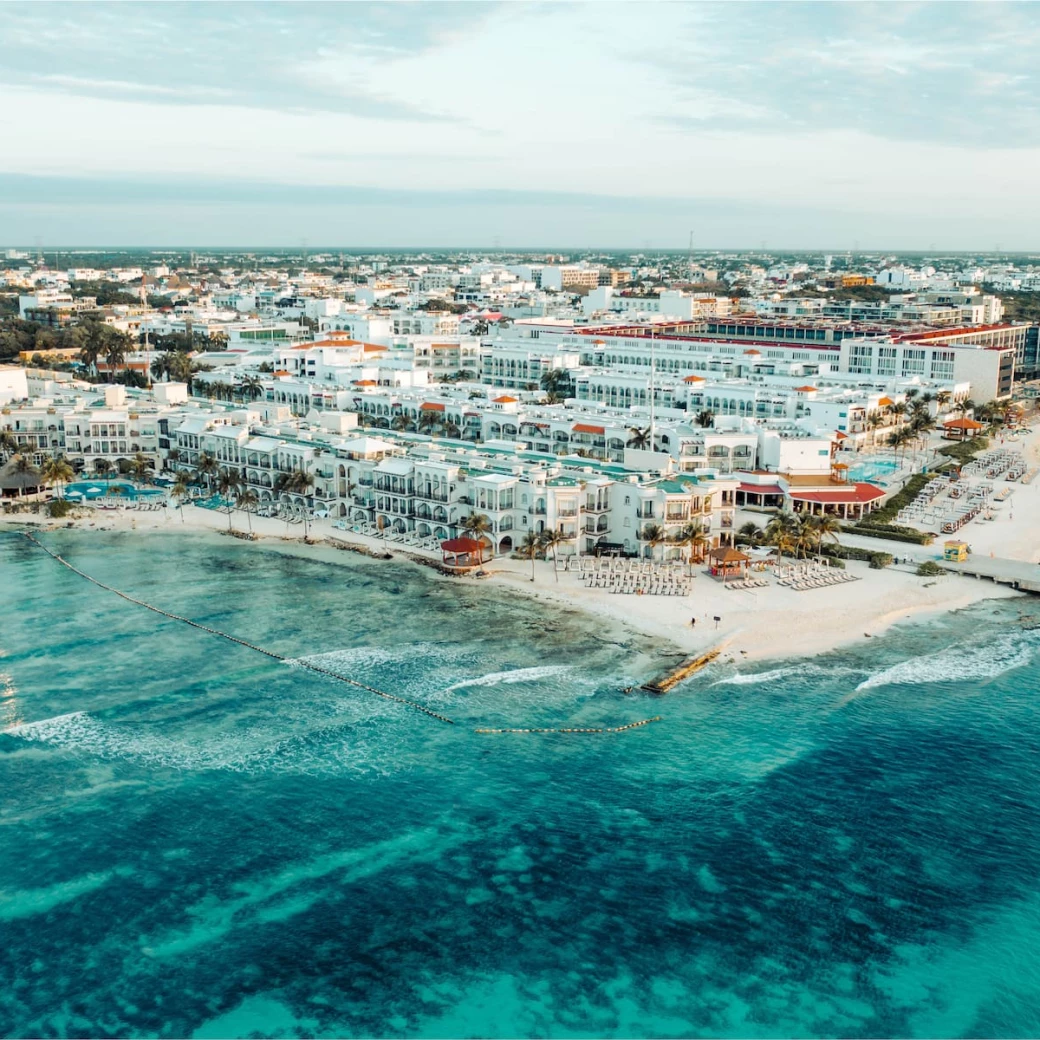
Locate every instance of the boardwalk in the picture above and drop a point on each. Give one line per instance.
(1019, 574)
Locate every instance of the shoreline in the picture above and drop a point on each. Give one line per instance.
(771, 624)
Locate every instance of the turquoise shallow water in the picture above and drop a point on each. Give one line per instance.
(196, 840)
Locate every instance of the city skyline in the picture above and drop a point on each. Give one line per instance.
(521, 125)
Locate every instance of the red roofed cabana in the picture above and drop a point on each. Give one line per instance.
(851, 502)
(727, 562)
(462, 552)
(961, 429)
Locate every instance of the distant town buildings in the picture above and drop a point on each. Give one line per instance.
(592, 398)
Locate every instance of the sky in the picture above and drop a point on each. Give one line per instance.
(601, 125)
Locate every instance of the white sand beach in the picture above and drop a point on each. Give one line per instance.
(765, 623)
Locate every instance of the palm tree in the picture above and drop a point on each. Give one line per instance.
(898, 439)
(140, 467)
(653, 535)
(452, 430)
(428, 422)
(23, 467)
(8, 443)
(549, 541)
(749, 534)
(705, 418)
(640, 439)
(161, 367)
(804, 533)
(228, 485)
(875, 420)
(103, 468)
(401, 423)
(181, 490)
(115, 355)
(93, 345)
(779, 533)
(56, 471)
(827, 527)
(693, 537)
(300, 483)
(529, 548)
(207, 468)
(477, 525)
(557, 384)
(251, 387)
(179, 367)
(247, 501)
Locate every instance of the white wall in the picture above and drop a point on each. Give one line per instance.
(13, 384)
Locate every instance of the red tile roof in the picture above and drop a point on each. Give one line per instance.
(586, 428)
(428, 407)
(850, 495)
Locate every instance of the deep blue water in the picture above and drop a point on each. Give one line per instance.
(196, 840)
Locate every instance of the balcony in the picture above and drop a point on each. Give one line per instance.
(567, 514)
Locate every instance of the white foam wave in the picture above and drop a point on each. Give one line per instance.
(801, 671)
(956, 663)
(515, 675)
(333, 746)
(364, 657)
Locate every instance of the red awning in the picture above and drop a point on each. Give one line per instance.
(849, 495)
(762, 489)
(586, 428)
(458, 546)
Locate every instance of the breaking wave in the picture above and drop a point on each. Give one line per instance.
(801, 671)
(957, 663)
(516, 675)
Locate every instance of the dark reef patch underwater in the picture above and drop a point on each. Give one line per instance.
(198, 841)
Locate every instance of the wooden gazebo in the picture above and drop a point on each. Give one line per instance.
(727, 562)
(961, 429)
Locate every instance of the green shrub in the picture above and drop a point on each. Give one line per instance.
(930, 569)
(876, 559)
(894, 533)
(890, 510)
(58, 508)
(965, 451)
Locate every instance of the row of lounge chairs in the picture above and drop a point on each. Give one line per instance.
(748, 583)
(409, 538)
(820, 581)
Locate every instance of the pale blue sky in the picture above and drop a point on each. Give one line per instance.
(603, 124)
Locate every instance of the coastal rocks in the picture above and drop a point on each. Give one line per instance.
(361, 550)
(246, 536)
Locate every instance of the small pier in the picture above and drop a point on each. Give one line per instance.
(1018, 574)
(665, 682)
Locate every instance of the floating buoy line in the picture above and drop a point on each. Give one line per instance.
(415, 705)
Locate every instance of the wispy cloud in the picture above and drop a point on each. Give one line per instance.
(935, 72)
(280, 56)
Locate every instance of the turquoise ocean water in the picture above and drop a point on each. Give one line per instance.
(199, 841)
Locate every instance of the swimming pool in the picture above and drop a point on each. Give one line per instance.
(95, 489)
(874, 470)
